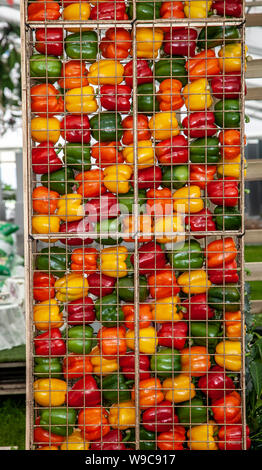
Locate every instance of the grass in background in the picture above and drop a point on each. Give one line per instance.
(12, 421)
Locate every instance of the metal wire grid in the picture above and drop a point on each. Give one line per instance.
(34, 245)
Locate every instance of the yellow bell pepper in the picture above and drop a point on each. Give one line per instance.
(75, 12)
(145, 154)
(47, 315)
(112, 261)
(50, 392)
(194, 282)
(165, 225)
(122, 415)
(197, 95)
(188, 200)
(71, 287)
(45, 130)
(228, 355)
(230, 57)
(202, 437)
(231, 167)
(101, 365)
(75, 442)
(164, 125)
(116, 178)
(144, 224)
(179, 389)
(197, 9)
(148, 340)
(106, 72)
(46, 224)
(148, 42)
(165, 310)
(81, 100)
(70, 208)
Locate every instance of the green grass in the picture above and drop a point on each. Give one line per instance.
(253, 253)
(16, 354)
(12, 422)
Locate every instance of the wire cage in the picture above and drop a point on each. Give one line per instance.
(134, 135)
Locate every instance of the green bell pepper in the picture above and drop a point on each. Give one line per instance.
(59, 421)
(205, 150)
(82, 46)
(212, 36)
(147, 439)
(127, 201)
(108, 311)
(53, 259)
(115, 388)
(61, 181)
(174, 177)
(145, 10)
(146, 98)
(171, 68)
(224, 298)
(188, 256)
(106, 127)
(77, 156)
(80, 339)
(227, 114)
(205, 334)
(165, 362)
(107, 227)
(125, 288)
(192, 411)
(227, 218)
(44, 67)
(48, 367)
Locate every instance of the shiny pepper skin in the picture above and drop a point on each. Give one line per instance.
(149, 41)
(106, 72)
(179, 389)
(188, 200)
(47, 315)
(197, 9)
(50, 392)
(227, 410)
(112, 261)
(202, 437)
(150, 393)
(195, 361)
(197, 95)
(72, 286)
(228, 355)
(194, 282)
(70, 208)
(116, 178)
(122, 415)
(81, 100)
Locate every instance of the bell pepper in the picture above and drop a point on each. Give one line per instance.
(50, 392)
(145, 10)
(72, 286)
(70, 207)
(40, 11)
(49, 41)
(166, 310)
(127, 366)
(80, 339)
(174, 176)
(164, 226)
(149, 41)
(161, 418)
(164, 125)
(201, 175)
(197, 9)
(116, 98)
(109, 11)
(93, 423)
(227, 410)
(205, 64)
(43, 286)
(201, 222)
(75, 442)
(230, 141)
(220, 252)
(224, 298)
(179, 388)
(172, 440)
(159, 202)
(169, 95)
(174, 67)
(144, 223)
(108, 312)
(82, 45)
(148, 340)
(101, 365)
(106, 127)
(45, 159)
(116, 178)
(188, 200)
(145, 154)
(231, 437)
(60, 181)
(54, 260)
(150, 393)
(77, 156)
(172, 151)
(197, 95)
(230, 58)
(100, 284)
(113, 261)
(199, 124)
(213, 36)
(125, 288)
(84, 392)
(47, 315)
(233, 326)
(91, 183)
(165, 362)
(60, 421)
(163, 284)
(227, 275)
(144, 73)
(112, 341)
(146, 439)
(202, 437)
(45, 202)
(107, 228)
(205, 150)
(187, 256)
(146, 98)
(172, 10)
(76, 129)
(114, 388)
(149, 177)
(106, 72)
(231, 8)
(45, 130)
(122, 415)
(45, 100)
(107, 153)
(150, 257)
(227, 113)
(216, 384)
(173, 335)
(195, 361)
(143, 132)
(231, 167)
(205, 334)
(42, 437)
(45, 67)
(73, 74)
(76, 227)
(80, 311)
(192, 411)
(50, 343)
(197, 308)
(75, 366)
(76, 12)
(116, 44)
(47, 367)
(226, 87)
(84, 260)
(112, 441)
(126, 201)
(227, 218)
(224, 192)
(228, 355)
(180, 42)
(81, 100)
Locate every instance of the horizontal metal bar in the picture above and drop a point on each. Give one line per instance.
(255, 271)
(254, 19)
(254, 170)
(254, 68)
(253, 236)
(256, 306)
(254, 94)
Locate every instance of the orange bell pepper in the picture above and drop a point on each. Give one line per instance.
(172, 440)
(116, 44)
(144, 227)
(204, 64)
(45, 99)
(163, 284)
(150, 393)
(112, 341)
(233, 325)
(169, 96)
(91, 183)
(107, 153)
(172, 10)
(84, 260)
(93, 423)
(73, 75)
(44, 200)
(230, 141)
(159, 202)
(195, 361)
(145, 316)
(75, 366)
(43, 10)
(220, 252)
(143, 132)
(200, 175)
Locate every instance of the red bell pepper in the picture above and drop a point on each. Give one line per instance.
(45, 159)
(75, 227)
(75, 366)
(197, 308)
(200, 175)
(150, 257)
(116, 98)
(116, 44)
(228, 8)
(43, 437)
(100, 284)
(180, 42)
(109, 11)
(112, 441)
(76, 128)
(81, 311)
(224, 275)
(226, 87)
(127, 366)
(220, 252)
(43, 286)
(223, 192)
(85, 392)
(149, 178)
(49, 41)
(227, 409)
(199, 124)
(144, 73)
(231, 438)
(173, 151)
(104, 207)
(160, 418)
(216, 383)
(200, 222)
(173, 335)
(50, 343)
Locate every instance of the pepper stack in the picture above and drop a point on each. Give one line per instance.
(136, 203)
